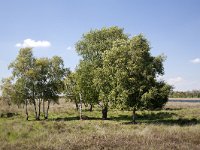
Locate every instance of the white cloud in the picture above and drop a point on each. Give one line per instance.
(196, 61)
(33, 43)
(175, 80)
(69, 48)
(18, 45)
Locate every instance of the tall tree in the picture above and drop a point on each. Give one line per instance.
(23, 69)
(55, 81)
(49, 82)
(132, 72)
(41, 69)
(91, 47)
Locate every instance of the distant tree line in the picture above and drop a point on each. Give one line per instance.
(115, 71)
(185, 94)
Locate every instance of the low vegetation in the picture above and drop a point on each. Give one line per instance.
(175, 127)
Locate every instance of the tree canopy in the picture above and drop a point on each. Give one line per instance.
(121, 69)
(130, 74)
(34, 80)
(91, 47)
(115, 71)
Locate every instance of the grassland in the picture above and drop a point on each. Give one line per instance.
(177, 126)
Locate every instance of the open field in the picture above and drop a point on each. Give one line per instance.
(177, 126)
(184, 98)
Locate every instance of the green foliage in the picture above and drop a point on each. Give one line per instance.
(71, 87)
(20, 94)
(91, 47)
(157, 96)
(85, 82)
(23, 63)
(55, 74)
(7, 90)
(23, 72)
(36, 79)
(115, 71)
(130, 73)
(121, 69)
(93, 44)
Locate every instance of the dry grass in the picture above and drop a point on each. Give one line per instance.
(171, 128)
(179, 105)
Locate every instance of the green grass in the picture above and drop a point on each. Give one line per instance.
(175, 127)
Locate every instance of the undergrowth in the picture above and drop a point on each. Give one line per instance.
(170, 128)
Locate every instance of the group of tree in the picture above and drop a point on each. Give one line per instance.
(116, 71)
(185, 94)
(34, 81)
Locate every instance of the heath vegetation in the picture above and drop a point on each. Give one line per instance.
(175, 127)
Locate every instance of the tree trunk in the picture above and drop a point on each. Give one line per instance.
(77, 108)
(43, 108)
(47, 113)
(91, 106)
(26, 103)
(80, 107)
(80, 111)
(134, 115)
(104, 113)
(34, 102)
(86, 105)
(39, 106)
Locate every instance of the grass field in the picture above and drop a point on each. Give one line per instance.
(177, 126)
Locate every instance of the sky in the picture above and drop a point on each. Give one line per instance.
(53, 27)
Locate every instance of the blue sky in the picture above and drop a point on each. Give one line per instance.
(54, 26)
